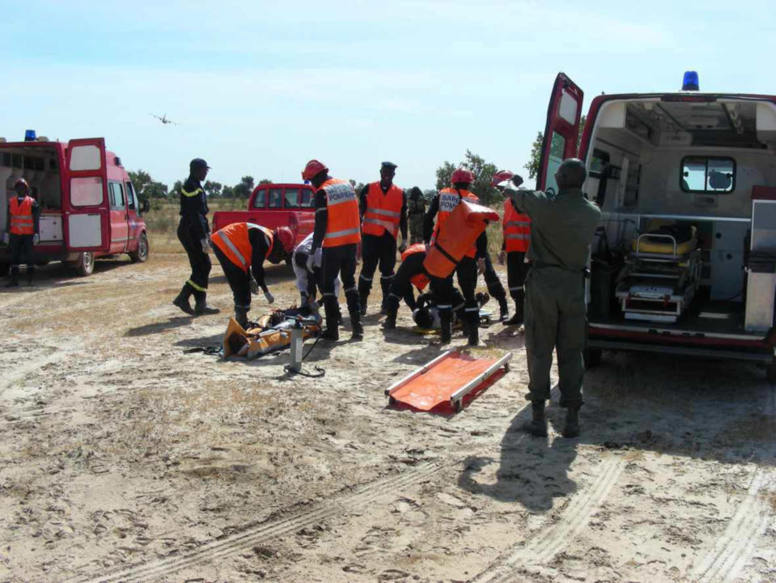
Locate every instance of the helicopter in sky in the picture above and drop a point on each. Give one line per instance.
(164, 119)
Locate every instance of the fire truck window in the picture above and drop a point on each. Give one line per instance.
(260, 201)
(116, 196)
(86, 191)
(85, 158)
(130, 195)
(292, 198)
(708, 175)
(307, 199)
(275, 198)
(557, 147)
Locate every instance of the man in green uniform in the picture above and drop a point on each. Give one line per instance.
(562, 228)
(416, 208)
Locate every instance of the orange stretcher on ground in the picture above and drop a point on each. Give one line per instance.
(445, 381)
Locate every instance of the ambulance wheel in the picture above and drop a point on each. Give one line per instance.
(770, 372)
(4, 269)
(592, 357)
(84, 265)
(141, 254)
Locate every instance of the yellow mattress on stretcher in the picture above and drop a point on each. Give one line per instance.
(663, 246)
(262, 338)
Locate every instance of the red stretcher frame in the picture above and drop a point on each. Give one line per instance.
(445, 380)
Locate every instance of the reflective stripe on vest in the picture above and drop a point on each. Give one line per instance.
(343, 226)
(383, 210)
(419, 280)
(449, 199)
(22, 221)
(234, 241)
(517, 229)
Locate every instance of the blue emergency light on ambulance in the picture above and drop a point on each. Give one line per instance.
(29, 135)
(690, 81)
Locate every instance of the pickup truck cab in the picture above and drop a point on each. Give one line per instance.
(88, 206)
(684, 260)
(273, 206)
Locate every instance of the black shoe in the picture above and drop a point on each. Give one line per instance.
(390, 321)
(12, 283)
(571, 428)
(330, 334)
(205, 310)
(358, 331)
(503, 310)
(183, 304)
(538, 424)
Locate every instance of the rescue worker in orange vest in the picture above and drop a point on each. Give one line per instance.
(241, 249)
(410, 273)
(21, 232)
(383, 208)
(335, 241)
(466, 270)
(517, 236)
(193, 233)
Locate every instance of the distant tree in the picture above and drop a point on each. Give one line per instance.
(265, 181)
(536, 150)
(227, 192)
(244, 188)
(212, 189)
(146, 187)
(483, 173)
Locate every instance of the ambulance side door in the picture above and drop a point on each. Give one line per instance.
(561, 130)
(87, 219)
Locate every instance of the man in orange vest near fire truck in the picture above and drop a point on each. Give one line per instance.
(335, 241)
(241, 249)
(466, 270)
(383, 208)
(517, 236)
(21, 230)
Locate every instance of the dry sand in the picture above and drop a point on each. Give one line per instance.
(124, 458)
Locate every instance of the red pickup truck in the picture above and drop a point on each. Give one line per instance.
(275, 205)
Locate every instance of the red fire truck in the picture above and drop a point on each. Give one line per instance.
(684, 261)
(88, 206)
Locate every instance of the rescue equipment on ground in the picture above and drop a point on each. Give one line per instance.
(448, 380)
(465, 223)
(271, 333)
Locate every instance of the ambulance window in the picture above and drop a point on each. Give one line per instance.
(116, 196)
(292, 198)
(557, 147)
(275, 198)
(86, 191)
(307, 199)
(130, 195)
(709, 175)
(260, 201)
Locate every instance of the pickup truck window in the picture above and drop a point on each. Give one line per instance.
(261, 199)
(276, 198)
(86, 191)
(116, 196)
(709, 175)
(292, 198)
(307, 199)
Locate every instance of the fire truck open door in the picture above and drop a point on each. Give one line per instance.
(561, 131)
(86, 224)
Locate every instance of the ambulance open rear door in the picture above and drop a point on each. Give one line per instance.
(561, 131)
(87, 226)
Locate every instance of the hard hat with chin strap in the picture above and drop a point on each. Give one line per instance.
(462, 175)
(312, 169)
(286, 238)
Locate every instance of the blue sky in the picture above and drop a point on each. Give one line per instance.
(259, 88)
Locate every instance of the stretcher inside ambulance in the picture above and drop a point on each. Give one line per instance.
(685, 258)
(88, 206)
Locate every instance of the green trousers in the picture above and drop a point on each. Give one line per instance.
(555, 320)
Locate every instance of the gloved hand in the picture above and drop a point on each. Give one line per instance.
(481, 265)
(205, 245)
(254, 285)
(310, 263)
(318, 257)
(270, 298)
(6, 238)
(402, 247)
(502, 257)
(35, 239)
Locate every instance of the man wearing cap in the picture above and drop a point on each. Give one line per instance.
(335, 240)
(562, 228)
(21, 230)
(193, 233)
(383, 209)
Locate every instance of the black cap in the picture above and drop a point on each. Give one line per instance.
(198, 163)
(390, 165)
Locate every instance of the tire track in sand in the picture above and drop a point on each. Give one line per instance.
(572, 520)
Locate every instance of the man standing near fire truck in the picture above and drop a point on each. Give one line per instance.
(21, 231)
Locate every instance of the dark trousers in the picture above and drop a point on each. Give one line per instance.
(199, 260)
(466, 272)
(238, 280)
(21, 250)
(495, 287)
(401, 287)
(341, 261)
(377, 250)
(517, 269)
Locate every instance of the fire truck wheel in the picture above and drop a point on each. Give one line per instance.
(84, 265)
(770, 372)
(4, 269)
(592, 357)
(141, 254)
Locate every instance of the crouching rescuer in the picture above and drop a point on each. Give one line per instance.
(338, 233)
(241, 249)
(22, 230)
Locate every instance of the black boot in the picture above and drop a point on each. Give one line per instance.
(385, 284)
(518, 317)
(200, 305)
(30, 274)
(331, 309)
(446, 323)
(503, 308)
(241, 316)
(13, 279)
(182, 300)
(472, 319)
(364, 287)
(390, 320)
(538, 425)
(571, 429)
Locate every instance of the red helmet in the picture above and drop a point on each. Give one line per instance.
(462, 175)
(21, 181)
(501, 176)
(313, 168)
(286, 238)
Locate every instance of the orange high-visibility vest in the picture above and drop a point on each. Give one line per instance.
(517, 229)
(463, 225)
(22, 222)
(449, 198)
(234, 242)
(419, 280)
(383, 211)
(344, 224)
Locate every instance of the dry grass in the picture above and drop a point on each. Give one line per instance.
(162, 222)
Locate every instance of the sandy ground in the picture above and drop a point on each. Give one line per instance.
(124, 458)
